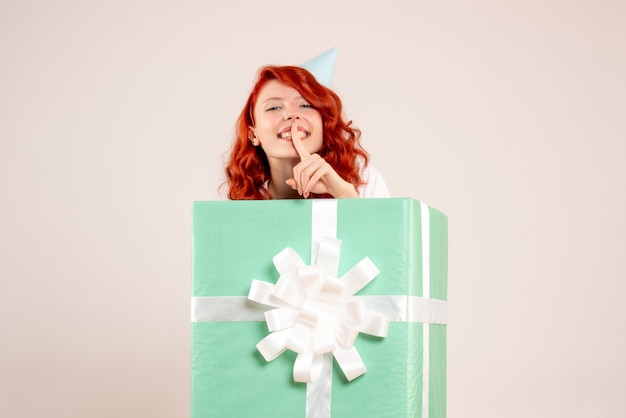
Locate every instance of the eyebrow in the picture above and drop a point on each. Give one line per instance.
(280, 98)
(272, 98)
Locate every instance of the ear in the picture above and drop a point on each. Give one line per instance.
(252, 137)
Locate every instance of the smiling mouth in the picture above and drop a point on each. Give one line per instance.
(287, 135)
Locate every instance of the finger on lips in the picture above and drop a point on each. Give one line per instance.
(311, 168)
(297, 142)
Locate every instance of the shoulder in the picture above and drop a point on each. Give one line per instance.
(375, 185)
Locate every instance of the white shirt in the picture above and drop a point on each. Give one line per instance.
(375, 186)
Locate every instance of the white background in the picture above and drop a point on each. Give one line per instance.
(506, 115)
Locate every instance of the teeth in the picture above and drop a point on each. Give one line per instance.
(287, 135)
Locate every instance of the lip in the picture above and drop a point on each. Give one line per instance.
(288, 129)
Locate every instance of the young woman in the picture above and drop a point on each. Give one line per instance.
(292, 142)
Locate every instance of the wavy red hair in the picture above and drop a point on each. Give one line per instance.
(248, 170)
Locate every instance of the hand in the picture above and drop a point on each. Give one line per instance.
(314, 175)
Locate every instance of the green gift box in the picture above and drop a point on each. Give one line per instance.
(234, 242)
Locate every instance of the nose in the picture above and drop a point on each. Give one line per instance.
(291, 114)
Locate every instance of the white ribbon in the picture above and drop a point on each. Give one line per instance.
(398, 308)
(425, 218)
(316, 312)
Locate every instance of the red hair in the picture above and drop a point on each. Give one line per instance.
(248, 170)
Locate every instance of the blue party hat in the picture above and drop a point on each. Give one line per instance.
(322, 66)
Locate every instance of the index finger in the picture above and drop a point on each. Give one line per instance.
(297, 143)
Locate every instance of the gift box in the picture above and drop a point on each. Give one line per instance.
(236, 242)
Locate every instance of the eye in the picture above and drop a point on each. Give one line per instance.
(273, 108)
(306, 106)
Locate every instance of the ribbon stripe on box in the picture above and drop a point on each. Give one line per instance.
(304, 299)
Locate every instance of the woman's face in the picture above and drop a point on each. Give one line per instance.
(277, 109)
